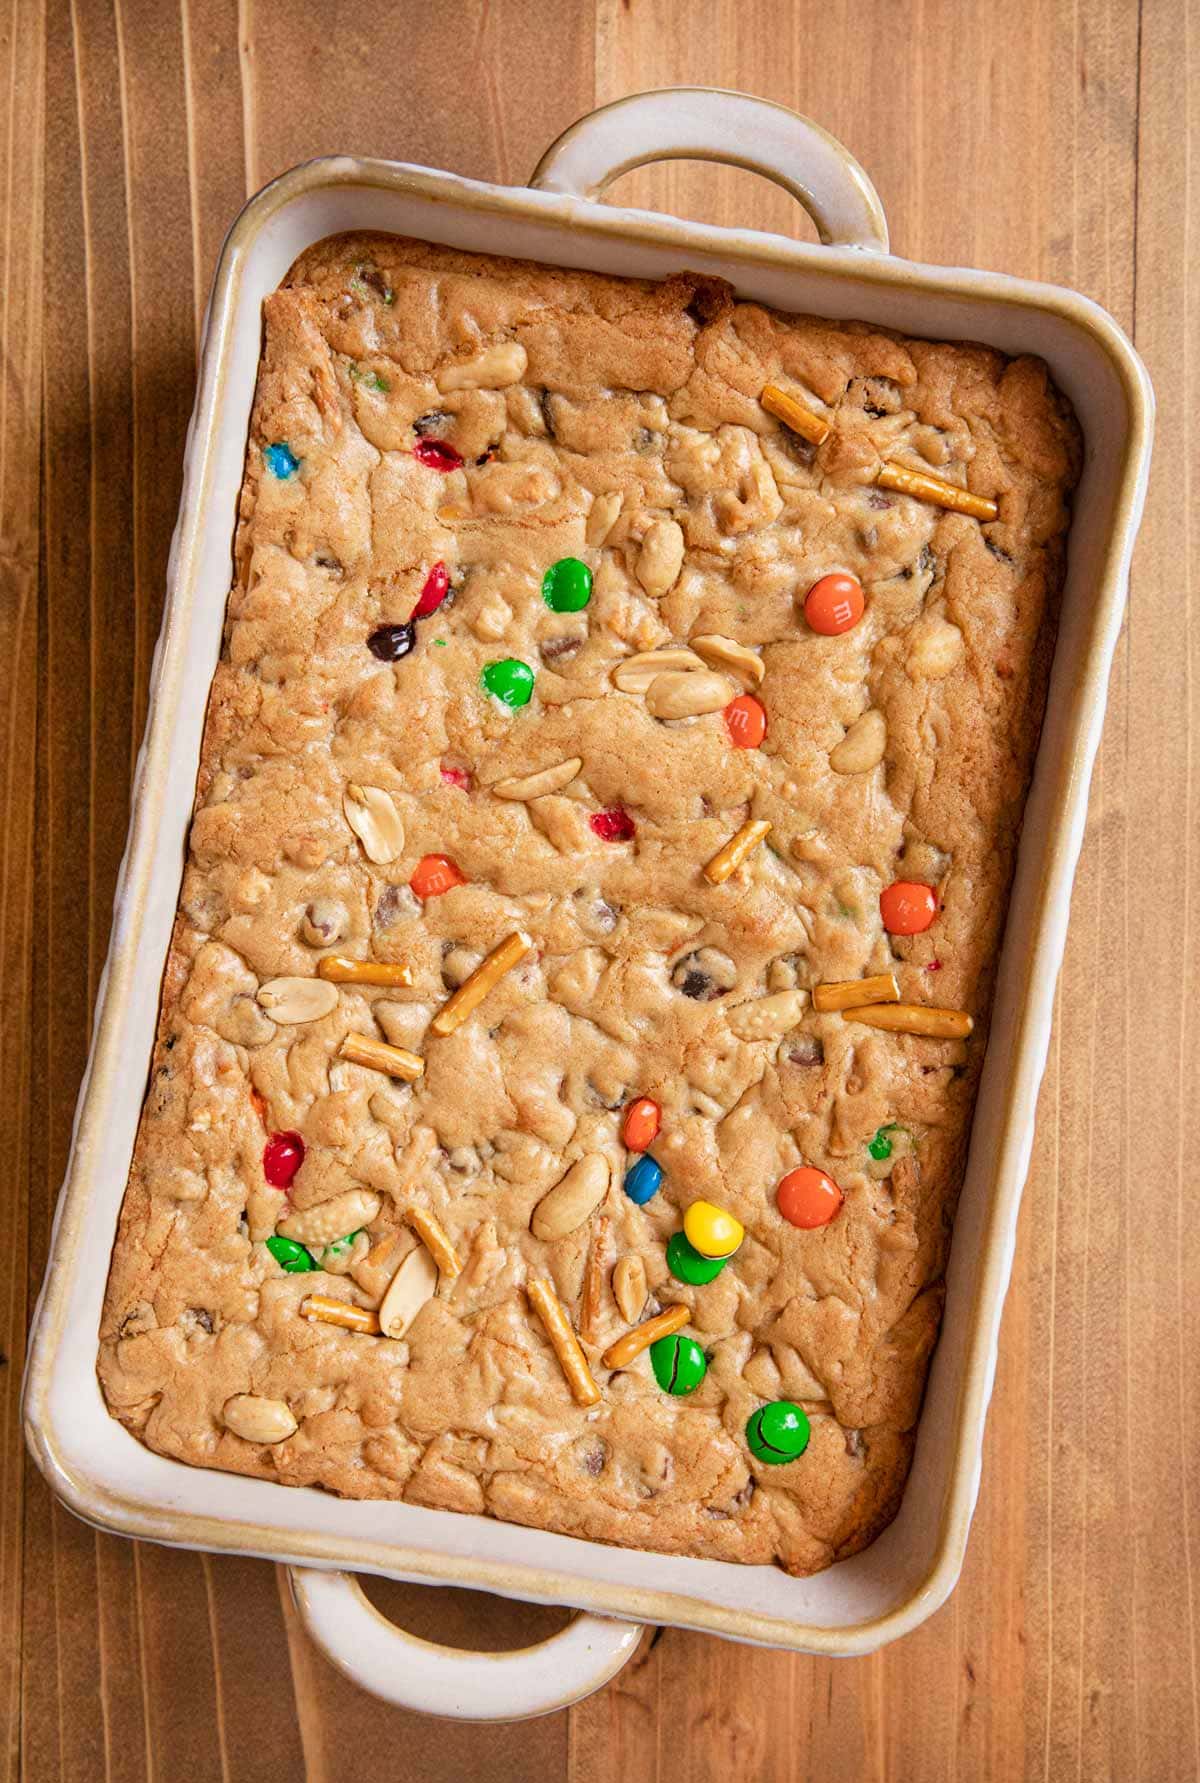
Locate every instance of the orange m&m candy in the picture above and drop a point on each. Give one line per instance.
(834, 604)
(435, 874)
(808, 1198)
(746, 721)
(640, 1126)
(907, 908)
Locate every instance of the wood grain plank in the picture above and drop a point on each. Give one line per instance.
(1161, 1061)
(1070, 1648)
(21, 174)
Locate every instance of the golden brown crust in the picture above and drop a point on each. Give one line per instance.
(617, 422)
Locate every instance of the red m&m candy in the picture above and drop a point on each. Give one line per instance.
(907, 908)
(437, 586)
(834, 604)
(746, 721)
(435, 874)
(808, 1198)
(283, 1155)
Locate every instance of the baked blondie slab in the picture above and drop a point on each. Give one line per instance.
(607, 807)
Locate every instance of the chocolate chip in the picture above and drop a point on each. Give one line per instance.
(393, 903)
(592, 1460)
(375, 281)
(704, 975)
(998, 551)
(432, 421)
(805, 1049)
(392, 642)
(875, 396)
(554, 648)
(876, 499)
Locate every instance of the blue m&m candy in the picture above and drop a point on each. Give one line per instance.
(280, 460)
(643, 1180)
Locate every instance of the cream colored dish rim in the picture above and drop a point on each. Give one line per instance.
(574, 216)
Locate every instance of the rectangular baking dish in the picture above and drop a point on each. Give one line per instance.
(91, 1462)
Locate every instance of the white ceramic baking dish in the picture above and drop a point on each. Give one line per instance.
(94, 1465)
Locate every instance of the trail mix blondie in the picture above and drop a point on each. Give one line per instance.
(608, 801)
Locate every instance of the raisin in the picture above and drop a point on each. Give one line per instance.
(392, 642)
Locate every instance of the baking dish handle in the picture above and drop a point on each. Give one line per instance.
(417, 1674)
(713, 124)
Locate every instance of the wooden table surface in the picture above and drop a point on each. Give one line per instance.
(1039, 137)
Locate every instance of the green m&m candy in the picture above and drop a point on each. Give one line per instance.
(290, 1256)
(687, 1265)
(679, 1364)
(340, 1246)
(510, 680)
(777, 1432)
(567, 585)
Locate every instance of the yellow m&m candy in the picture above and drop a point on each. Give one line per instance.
(712, 1231)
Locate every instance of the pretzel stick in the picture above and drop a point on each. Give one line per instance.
(914, 1018)
(729, 858)
(435, 1238)
(377, 1055)
(474, 989)
(593, 1281)
(328, 1311)
(934, 489)
(850, 993)
(793, 414)
(643, 1335)
(335, 968)
(564, 1341)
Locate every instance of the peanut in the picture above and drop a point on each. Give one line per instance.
(661, 557)
(629, 1286)
(766, 1018)
(297, 999)
(935, 652)
(676, 695)
(373, 817)
(255, 1419)
(332, 1219)
(636, 673)
(574, 1199)
(414, 1283)
(534, 786)
(862, 746)
(493, 369)
(737, 659)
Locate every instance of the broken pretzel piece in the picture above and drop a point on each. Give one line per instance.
(793, 414)
(593, 1281)
(557, 1326)
(337, 969)
(377, 1055)
(914, 1018)
(474, 989)
(621, 1353)
(729, 858)
(328, 1311)
(435, 1238)
(926, 488)
(851, 993)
